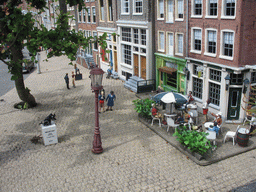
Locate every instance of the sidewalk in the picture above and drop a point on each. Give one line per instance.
(134, 157)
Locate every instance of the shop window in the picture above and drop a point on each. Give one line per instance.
(136, 36)
(215, 75)
(236, 79)
(197, 87)
(195, 72)
(171, 79)
(126, 34)
(253, 77)
(214, 93)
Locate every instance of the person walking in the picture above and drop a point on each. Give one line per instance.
(110, 99)
(67, 80)
(101, 101)
(73, 79)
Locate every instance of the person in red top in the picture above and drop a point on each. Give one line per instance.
(155, 113)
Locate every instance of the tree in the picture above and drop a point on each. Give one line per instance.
(17, 30)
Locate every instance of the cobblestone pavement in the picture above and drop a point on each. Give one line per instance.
(134, 157)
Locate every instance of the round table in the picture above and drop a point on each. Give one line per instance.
(208, 124)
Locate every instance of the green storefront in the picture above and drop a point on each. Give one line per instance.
(170, 73)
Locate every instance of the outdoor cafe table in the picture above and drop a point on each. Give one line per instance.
(211, 136)
(208, 124)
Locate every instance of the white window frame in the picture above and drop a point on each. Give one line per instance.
(177, 44)
(158, 10)
(176, 11)
(169, 19)
(222, 56)
(93, 34)
(89, 12)
(109, 12)
(206, 42)
(193, 9)
(223, 9)
(84, 12)
(159, 41)
(79, 16)
(208, 10)
(193, 50)
(101, 13)
(92, 15)
(168, 42)
(123, 8)
(134, 7)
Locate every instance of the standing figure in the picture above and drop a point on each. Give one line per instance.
(67, 80)
(76, 70)
(101, 100)
(205, 109)
(73, 79)
(110, 98)
(190, 97)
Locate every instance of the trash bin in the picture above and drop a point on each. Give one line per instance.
(49, 134)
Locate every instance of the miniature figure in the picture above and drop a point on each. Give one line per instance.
(218, 118)
(215, 128)
(110, 98)
(73, 79)
(205, 109)
(67, 80)
(155, 112)
(48, 120)
(76, 70)
(101, 100)
(190, 97)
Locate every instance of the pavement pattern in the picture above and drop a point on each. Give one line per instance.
(134, 157)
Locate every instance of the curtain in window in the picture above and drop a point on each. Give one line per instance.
(198, 1)
(180, 43)
(213, 1)
(170, 6)
(161, 40)
(230, 1)
(180, 6)
(170, 37)
(197, 34)
(212, 36)
(161, 6)
(228, 38)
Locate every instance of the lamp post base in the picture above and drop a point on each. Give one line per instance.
(97, 148)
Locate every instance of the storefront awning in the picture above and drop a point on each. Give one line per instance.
(167, 70)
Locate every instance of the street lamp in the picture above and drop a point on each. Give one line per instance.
(96, 85)
(227, 79)
(246, 82)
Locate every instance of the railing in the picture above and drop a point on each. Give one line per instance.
(146, 86)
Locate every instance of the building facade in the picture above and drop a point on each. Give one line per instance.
(221, 62)
(135, 39)
(171, 40)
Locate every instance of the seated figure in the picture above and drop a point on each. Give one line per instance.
(215, 128)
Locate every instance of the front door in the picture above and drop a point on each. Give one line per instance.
(115, 61)
(136, 65)
(234, 103)
(143, 67)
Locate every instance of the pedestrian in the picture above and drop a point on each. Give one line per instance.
(110, 99)
(101, 100)
(205, 109)
(67, 80)
(73, 79)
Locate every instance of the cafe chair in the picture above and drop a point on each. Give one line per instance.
(232, 135)
(171, 123)
(154, 119)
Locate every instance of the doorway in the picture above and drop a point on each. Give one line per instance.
(143, 67)
(136, 64)
(234, 103)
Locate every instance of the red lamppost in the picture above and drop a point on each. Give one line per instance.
(96, 79)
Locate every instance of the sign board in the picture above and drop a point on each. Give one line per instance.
(49, 134)
(171, 65)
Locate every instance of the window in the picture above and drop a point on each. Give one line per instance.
(95, 44)
(160, 10)
(126, 34)
(171, 79)
(125, 6)
(88, 14)
(236, 79)
(197, 87)
(215, 75)
(253, 77)
(101, 10)
(170, 43)
(138, 6)
(211, 41)
(197, 39)
(197, 7)
(79, 16)
(227, 44)
(179, 44)
(214, 93)
(110, 10)
(143, 37)
(179, 10)
(136, 36)
(93, 15)
(195, 71)
(229, 7)
(213, 7)
(84, 15)
(127, 55)
(169, 11)
(161, 41)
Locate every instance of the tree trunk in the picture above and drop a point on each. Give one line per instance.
(23, 93)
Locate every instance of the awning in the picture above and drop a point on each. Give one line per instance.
(167, 70)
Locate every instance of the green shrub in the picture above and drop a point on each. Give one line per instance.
(143, 107)
(195, 141)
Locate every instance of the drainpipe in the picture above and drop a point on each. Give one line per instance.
(186, 42)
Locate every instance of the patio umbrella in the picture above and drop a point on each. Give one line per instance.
(176, 98)
(157, 98)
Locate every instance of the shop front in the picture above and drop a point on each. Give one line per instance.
(170, 73)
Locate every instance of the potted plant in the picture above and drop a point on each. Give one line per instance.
(143, 107)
